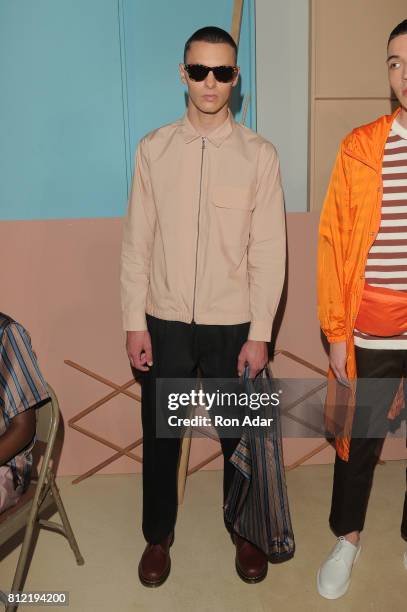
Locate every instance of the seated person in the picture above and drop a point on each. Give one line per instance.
(22, 390)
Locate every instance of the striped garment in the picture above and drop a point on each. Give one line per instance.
(257, 504)
(22, 386)
(386, 264)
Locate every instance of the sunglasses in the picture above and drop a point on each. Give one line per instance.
(223, 74)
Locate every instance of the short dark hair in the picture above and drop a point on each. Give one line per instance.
(210, 34)
(400, 29)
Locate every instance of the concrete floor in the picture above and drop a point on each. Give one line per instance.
(105, 512)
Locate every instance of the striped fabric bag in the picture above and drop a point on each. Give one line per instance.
(257, 505)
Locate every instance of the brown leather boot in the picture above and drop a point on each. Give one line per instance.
(251, 562)
(155, 563)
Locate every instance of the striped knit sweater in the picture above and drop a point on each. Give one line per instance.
(386, 264)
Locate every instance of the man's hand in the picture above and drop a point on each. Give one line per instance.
(337, 361)
(253, 352)
(139, 350)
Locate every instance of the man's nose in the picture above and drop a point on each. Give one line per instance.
(210, 80)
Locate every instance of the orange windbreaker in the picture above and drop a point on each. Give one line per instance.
(349, 223)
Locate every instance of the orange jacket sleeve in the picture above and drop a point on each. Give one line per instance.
(334, 233)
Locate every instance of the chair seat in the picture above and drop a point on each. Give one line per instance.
(15, 518)
(26, 497)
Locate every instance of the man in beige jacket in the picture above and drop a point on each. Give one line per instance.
(203, 265)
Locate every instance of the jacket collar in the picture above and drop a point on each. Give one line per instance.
(366, 143)
(217, 137)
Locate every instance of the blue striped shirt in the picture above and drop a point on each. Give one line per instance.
(22, 386)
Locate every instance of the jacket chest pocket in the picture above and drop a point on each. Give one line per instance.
(232, 208)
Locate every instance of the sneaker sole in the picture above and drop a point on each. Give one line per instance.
(338, 593)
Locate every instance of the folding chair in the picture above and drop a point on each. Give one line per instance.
(41, 494)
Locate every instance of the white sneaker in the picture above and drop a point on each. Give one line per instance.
(405, 559)
(333, 578)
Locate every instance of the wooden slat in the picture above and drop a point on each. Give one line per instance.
(96, 468)
(112, 445)
(183, 466)
(245, 108)
(304, 458)
(236, 20)
(106, 381)
(202, 464)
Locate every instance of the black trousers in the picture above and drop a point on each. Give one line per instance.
(179, 349)
(353, 478)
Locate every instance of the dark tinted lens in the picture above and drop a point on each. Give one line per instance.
(224, 74)
(197, 72)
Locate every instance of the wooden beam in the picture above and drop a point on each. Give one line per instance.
(245, 108)
(183, 466)
(236, 20)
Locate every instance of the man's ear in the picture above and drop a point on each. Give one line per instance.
(182, 74)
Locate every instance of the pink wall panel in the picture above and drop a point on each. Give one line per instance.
(62, 283)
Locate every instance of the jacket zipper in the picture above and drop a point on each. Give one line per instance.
(197, 235)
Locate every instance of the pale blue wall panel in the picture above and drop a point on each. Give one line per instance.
(154, 35)
(81, 82)
(62, 150)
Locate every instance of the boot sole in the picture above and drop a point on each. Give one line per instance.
(156, 583)
(249, 579)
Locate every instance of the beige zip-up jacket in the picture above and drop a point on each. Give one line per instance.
(204, 237)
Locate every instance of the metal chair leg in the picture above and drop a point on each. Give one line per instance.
(65, 521)
(22, 559)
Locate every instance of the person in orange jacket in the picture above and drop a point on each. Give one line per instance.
(362, 307)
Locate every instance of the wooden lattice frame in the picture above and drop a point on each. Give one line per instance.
(118, 390)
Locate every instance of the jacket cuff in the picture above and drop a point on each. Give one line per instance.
(260, 330)
(134, 321)
(333, 339)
